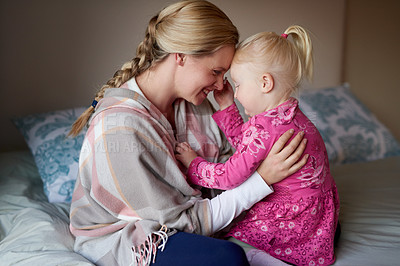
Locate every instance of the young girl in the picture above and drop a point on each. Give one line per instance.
(297, 222)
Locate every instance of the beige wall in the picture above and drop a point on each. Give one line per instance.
(56, 53)
(372, 57)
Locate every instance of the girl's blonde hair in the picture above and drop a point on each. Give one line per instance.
(287, 61)
(194, 27)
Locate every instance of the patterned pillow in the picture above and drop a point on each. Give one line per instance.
(350, 131)
(56, 156)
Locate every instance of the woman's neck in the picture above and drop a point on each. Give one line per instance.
(156, 84)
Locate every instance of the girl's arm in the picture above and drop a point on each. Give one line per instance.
(241, 165)
(230, 122)
(228, 118)
(248, 156)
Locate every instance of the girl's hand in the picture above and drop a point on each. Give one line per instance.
(224, 97)
(284, 161)
(184, 153)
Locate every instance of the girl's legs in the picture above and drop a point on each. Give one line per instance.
(258, 257)
(191, 249)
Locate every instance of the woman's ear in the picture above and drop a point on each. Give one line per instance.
(180, 59)
(267, 83)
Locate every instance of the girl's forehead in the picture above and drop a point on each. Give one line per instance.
(223, 57)
(237, 67)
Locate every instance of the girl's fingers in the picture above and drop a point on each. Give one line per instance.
(183, 146)
(178, 149)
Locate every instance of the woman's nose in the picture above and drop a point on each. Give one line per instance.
(219, 84)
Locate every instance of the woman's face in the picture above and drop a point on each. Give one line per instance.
(198, 76)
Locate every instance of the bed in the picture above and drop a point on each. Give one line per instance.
(36, 184)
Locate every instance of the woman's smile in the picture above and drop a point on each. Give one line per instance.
(206, 91)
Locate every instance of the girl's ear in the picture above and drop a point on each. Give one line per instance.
(180, 59)
(267, 83)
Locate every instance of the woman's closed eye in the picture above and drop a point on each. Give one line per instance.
(217, 72)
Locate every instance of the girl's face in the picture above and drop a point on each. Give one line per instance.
(248, 89)
(198, 76)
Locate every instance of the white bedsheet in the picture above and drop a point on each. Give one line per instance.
(370, 213)
(35, 232)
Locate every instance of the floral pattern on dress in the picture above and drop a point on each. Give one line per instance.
(283, 114)
(253, 140)
(312, 174)
(208, 173)
(298, 232)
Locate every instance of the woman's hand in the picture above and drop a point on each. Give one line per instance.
(224, 97)
(283, 161)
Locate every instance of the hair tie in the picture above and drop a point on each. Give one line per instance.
(284, 35)
(94, 103)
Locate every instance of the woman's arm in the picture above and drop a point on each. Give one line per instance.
(229, 204)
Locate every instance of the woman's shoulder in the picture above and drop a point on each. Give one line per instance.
(122, 107)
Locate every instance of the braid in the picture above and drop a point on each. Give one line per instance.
(120, 77)
(147, 53)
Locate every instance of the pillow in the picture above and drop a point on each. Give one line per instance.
(56, 156)
(350, 131)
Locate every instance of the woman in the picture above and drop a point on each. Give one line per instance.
(131, 196)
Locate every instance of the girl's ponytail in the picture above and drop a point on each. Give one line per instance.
(303, 44)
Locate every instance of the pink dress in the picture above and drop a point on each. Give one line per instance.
(297, 222)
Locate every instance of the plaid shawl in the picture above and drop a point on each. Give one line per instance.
(131, 193)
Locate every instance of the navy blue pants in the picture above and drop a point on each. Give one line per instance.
(191, 249)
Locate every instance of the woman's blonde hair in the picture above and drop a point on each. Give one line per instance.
(287, 61)
(194, 27)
